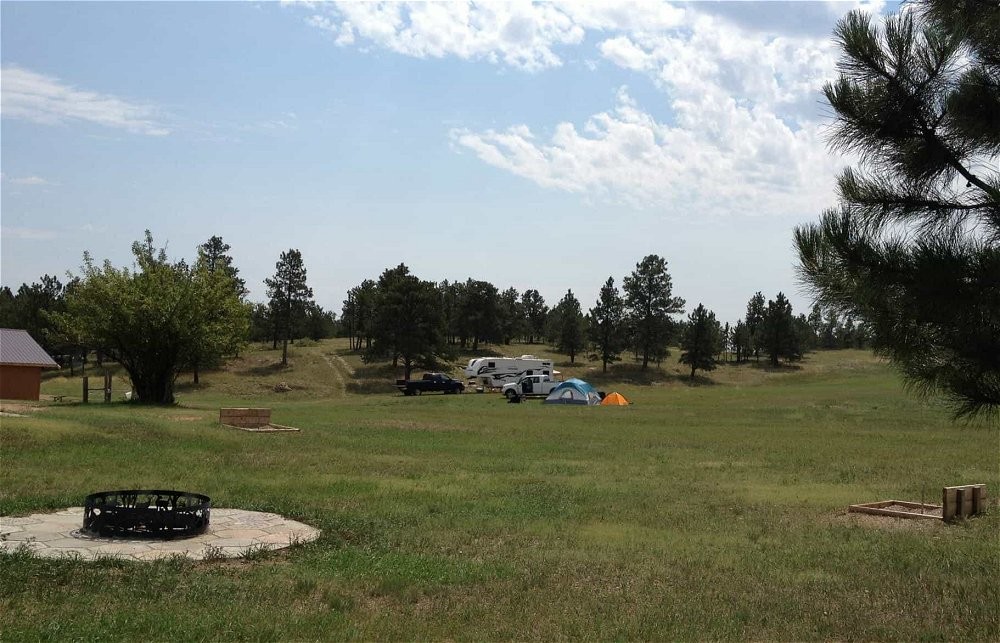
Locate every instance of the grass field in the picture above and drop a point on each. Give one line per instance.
(713, 511)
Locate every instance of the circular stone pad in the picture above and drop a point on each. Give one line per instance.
(232, 532)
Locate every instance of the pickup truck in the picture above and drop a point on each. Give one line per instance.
(530, 385)
(430, 382)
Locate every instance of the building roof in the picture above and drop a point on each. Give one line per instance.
(18, 348)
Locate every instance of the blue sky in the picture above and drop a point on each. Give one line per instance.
(535, 146)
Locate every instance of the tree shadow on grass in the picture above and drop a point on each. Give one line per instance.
(628, 374)
(371, 387)
(698, 380)
(188, 385)
(633, 375)
(384, 371)
(765, 366)
(264, 369)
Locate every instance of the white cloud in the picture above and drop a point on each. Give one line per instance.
(34, 234)
(761, 167)
(743, 130)
(34, 97)
(521, 35)
(25, 180)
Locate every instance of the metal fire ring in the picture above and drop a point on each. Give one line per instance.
(146, 513)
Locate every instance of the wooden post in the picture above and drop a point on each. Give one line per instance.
(107, 386)
(86, 389)
(962, 501)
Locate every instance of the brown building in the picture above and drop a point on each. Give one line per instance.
(21, 364)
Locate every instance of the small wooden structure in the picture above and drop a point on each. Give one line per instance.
(898, 509)
(106, 388)
(21, 364)
(249, 419)
(963, 501)
(956, 502)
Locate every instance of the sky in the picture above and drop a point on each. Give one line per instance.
(544, 146)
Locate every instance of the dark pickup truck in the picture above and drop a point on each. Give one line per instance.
(430, 382)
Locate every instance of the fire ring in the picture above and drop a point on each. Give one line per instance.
(146, 513)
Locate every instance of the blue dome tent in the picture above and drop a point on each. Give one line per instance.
(574, 391)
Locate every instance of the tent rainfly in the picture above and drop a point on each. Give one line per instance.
(614, 399)
(574, 391)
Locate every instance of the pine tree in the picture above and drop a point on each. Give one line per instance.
(510, 315)
(741, 342)
(700, 341)
(754, 323)
(407, 323)
(213, 259)
(914, 246)
(778, 336)
(535, 314)
(214, 256)
(606, 325)
(289, 295)
(480, 311)
(650, 304)
(570, 332)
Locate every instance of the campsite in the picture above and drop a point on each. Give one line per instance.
(651, 320)
(699, 511)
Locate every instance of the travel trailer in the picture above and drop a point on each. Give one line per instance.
(494, 372)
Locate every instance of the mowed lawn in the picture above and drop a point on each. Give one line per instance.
(714, 511)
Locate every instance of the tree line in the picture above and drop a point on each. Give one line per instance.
(201, 314)
(161, 317)
(908, 262)
(419, 323)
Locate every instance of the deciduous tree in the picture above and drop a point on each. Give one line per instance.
(152, 319)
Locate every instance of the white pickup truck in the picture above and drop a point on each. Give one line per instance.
(530, 385)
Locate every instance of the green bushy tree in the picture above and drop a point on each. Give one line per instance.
(155, 318)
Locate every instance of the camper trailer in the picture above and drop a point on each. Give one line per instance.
(494, 372)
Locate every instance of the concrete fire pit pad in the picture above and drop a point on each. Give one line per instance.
(231, 533)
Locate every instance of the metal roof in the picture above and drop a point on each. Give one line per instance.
(18, 348)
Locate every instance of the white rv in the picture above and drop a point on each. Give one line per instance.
(494, 372)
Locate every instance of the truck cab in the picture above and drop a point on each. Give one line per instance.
(430, 382)
(530, 385)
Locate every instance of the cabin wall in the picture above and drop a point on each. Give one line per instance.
(20, 382)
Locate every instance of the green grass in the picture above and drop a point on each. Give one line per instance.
(701, 512)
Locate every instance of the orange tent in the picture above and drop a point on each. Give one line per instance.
(614, 399)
